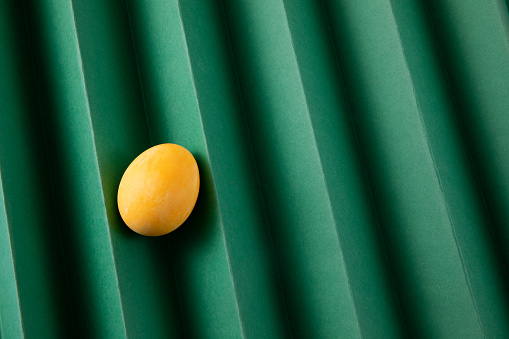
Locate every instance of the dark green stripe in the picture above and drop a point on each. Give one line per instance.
(473, 37)
(471, 224)
(310, 260)
(433, 288)
(34, 270)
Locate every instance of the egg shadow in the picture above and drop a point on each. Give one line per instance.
(198, 227)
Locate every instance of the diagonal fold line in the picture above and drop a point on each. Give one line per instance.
(324, 179)
(193, 81)
(435, 168)
(363, 163)
(96, 162)
(7, 223)
(257, 173)
(145, 110)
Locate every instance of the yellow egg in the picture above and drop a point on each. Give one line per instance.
(159, 190)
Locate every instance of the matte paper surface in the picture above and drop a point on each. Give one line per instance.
(354, 161)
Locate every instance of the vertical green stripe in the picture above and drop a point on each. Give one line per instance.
(473, 37)
(249, 251)
(202, 270)
(30, 233)
(351, 202)
(93, 281)
(429, 273)
(310, 260)
(469, 218)
(10, 310)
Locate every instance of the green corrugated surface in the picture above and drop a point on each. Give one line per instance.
(354, 158)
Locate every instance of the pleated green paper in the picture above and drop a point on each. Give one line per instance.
(354, 160)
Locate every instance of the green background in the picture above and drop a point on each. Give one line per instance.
(354, 160)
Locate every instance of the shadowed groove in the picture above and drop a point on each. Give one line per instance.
(146, 281)
(258, 299)
(477, 63)
(353, 157)
(405, 186)
(351, 204)
(458, 179)
(185, 79)
(66, 125)
(434, 163)
(194, 266)
(439, 180)
(10, 312)
(30, 235)
(270, 123)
